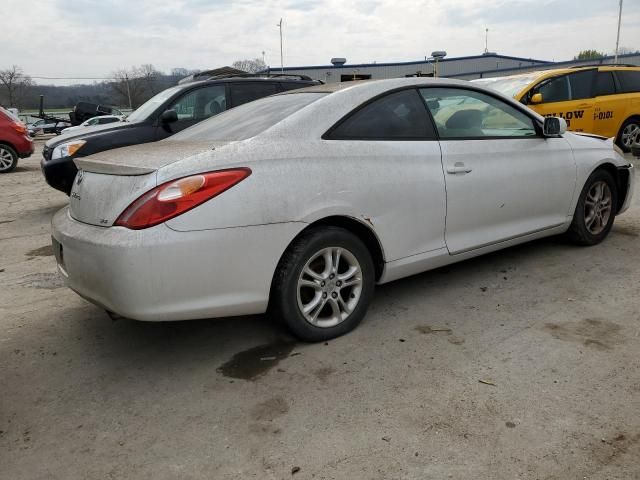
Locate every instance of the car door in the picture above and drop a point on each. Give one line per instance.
(195, 106)
(389, 146)
(568, 96)
(503, 179)
(609, 107)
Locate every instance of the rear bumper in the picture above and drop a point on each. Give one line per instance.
(161, 274)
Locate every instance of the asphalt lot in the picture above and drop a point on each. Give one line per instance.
(553, 330)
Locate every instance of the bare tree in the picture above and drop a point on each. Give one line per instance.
(136, 85)
(150, 77)
(627, 51)
(15, 85)
(250, 66)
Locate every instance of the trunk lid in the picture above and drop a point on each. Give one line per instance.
(108, 182)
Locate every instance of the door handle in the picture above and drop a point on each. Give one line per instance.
(458, 167)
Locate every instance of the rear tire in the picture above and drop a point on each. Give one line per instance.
(595, 211)
(629, 133)
(8, 159)
(323, 284)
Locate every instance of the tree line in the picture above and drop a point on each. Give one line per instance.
(127, 88)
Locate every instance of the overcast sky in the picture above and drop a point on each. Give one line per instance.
(92, 38)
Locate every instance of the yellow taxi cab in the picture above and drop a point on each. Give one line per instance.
(603, 100)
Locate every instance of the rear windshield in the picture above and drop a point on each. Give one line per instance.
(248, 120)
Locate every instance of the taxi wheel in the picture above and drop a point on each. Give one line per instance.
(629, 133)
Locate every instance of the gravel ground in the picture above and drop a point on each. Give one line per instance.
(523, 364)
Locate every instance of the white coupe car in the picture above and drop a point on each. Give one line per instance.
(299, 203)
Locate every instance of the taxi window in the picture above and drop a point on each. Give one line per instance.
(581, 84)
(555, 90)
(629, 81)
(605, 84)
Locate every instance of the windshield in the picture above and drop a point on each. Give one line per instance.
(147, 108)
(509, 86)
(250, 119)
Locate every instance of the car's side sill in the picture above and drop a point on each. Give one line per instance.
(405, 267)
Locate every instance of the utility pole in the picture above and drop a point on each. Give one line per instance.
(126, 77)
(263, 57)
(281, 57)
(615, 60)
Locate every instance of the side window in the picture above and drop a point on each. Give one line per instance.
(554, 89)
(605, 84)
(467, 114)
(396, 116)
(249, 91)
(581, 84)
(200, 104)
(629, 80)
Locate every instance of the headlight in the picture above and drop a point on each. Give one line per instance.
(67, 149)
(618, 150)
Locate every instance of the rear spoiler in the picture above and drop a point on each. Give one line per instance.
(101, 166)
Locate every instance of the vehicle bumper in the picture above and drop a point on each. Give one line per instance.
(161, 274)
(59, 173)
(630, 189)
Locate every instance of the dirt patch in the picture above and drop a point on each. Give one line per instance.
(255, 362)
(45, 251)
(609, 449)
(269, 410)
(627, 230)
(590, 332)
(323, 373)
(451, 338)
(48, 281)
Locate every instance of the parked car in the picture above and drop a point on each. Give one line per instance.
(47, 126)
(14, 141)
(302, 202)
(604, 100)
(170, 111)
(101, 120)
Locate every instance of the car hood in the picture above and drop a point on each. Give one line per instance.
(143, 159)
(87, 132)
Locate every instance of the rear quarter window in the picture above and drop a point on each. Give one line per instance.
(629, 81)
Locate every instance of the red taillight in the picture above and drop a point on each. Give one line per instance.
(19, 127)
(173, 198)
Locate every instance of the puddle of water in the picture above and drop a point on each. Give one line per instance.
(45, 251)
(49, 281)
(252, 363)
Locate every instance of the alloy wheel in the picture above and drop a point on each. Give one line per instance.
(6, 159)
(597, 207)
(329, 287)
(630, 134)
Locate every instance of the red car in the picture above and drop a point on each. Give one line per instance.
(14, 141)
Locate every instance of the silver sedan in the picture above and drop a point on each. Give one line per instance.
(299, 203)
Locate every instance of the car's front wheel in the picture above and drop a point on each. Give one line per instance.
(596, 209)
(323, 284)
(8, 159)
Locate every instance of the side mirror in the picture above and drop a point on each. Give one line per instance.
(169, 116)
(536, 98)
(554, 126)
(635, 149)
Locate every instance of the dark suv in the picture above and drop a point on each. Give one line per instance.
(170, 111)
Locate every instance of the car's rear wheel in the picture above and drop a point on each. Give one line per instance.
(595, 211)
(629, 133)
(323, 284)
(8, 159)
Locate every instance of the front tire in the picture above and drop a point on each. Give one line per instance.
(596, 210)
(629, 133)
(8, 159)
(323, 284)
